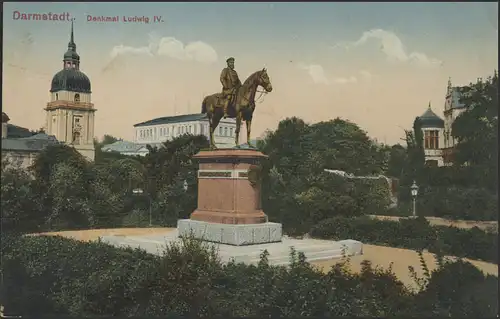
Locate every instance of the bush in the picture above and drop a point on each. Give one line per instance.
(412, 234)
(57, 276)
(459, 289)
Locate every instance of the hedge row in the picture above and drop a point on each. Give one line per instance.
(57, 276)
(412, 234)
(452, 202)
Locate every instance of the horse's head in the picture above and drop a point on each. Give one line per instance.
(264, 80)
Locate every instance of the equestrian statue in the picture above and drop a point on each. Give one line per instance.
(237, 100)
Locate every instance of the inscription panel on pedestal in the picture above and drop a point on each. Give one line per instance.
(231, 174)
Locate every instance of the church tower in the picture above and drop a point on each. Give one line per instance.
(70, 112)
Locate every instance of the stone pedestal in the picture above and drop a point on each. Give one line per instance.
(231, 234)
(229, 206)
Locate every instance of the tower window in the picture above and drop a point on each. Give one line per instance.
(77, 97)
(431, 139)
(57, 96)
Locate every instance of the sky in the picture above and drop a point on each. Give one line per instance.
(375, 64)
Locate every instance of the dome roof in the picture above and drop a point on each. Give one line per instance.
(430, 120)
(70, 80)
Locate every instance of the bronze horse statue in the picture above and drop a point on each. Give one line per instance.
(241, 107)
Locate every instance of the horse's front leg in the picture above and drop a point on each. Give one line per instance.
(237, 132)
(249, 129)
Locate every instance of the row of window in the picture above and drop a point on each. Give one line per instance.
(165, 131)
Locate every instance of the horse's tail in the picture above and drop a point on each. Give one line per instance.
(204, 106)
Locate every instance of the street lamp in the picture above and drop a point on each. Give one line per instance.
(139, 191)
(414, 193)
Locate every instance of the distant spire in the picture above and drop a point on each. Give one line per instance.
(71, 44)
(429, 105)
(72, 36)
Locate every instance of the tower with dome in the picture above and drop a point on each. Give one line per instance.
(432, 127)
(70, 112)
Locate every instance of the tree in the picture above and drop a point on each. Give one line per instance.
(165, 164)
(296, 190)
(70, 207)
(397, 160)
(476, 129)
(415, 163)
(51, 156)
(20, 209)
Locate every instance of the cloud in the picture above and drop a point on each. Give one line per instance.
(319, 76)
(351, 79)
(127, 50)
(316, 72)
(198, 51)
(392, 46)
(366, 75)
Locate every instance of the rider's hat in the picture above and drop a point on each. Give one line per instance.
(230, 59)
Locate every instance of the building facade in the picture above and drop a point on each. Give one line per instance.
(20, 149)
(156, 131)
(452, 109)
(438, 141)
(70, 112)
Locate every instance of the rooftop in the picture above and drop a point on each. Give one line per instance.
(173, 119)
(14, 131)
(430, 120)
(123, 146)
(33, 143)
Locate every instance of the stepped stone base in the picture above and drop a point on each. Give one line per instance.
(279, 253)
(231, 234)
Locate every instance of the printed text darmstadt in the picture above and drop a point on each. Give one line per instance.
(66, 16)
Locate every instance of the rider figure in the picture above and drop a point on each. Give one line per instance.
(230, 83)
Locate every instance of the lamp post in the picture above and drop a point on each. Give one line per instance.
(414, 193)
(139, 191)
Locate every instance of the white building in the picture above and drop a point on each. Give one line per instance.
(156, 131)
(70, 112)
